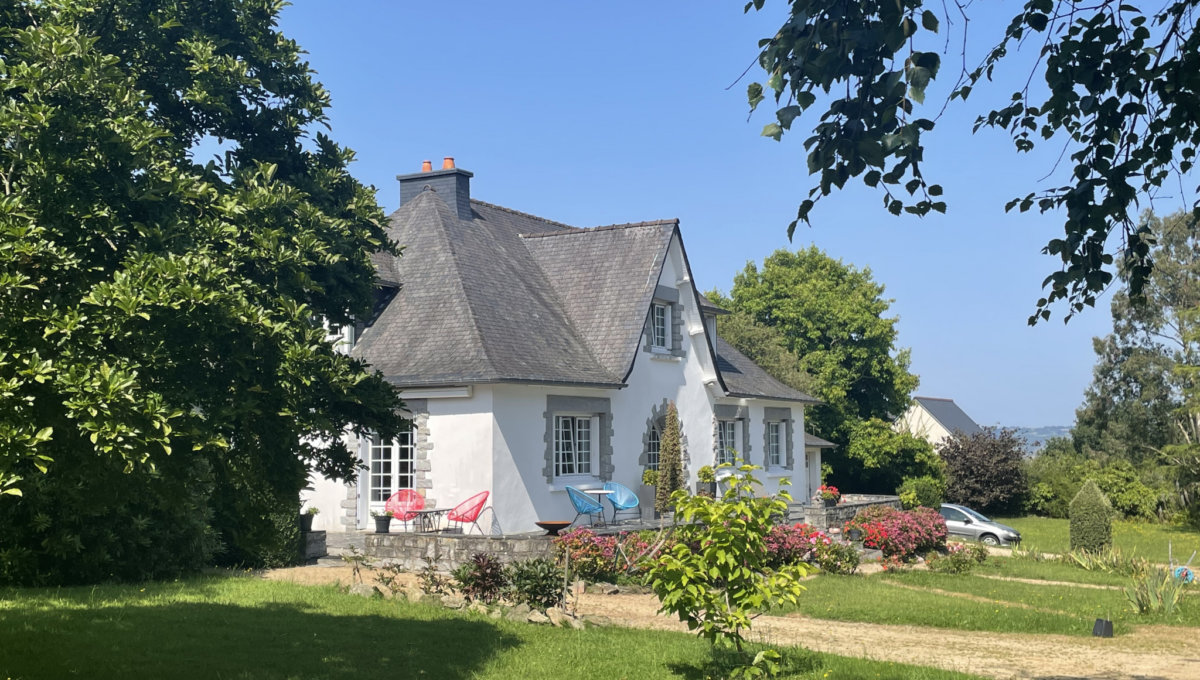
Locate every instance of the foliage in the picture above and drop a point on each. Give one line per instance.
(536, 582)
(670, 460)
(985, 470)
(881, 458)
(357, 561)
(799, 543)
(157, 308)
(1091, 519)
(595, 558)
(1119, 86)
(1155, 591)
(831, 317)
(706, 474)
(431, 581)
(313, 511)
(717, 575)
(763, 344)
(926, 491)
(903, 534)
(481, 579)
(959, 558)
(388, 576)
(650, 477)
(829, 493)
(1109, 560)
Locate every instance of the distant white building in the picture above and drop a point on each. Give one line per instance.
(533, 355)
(935, 419)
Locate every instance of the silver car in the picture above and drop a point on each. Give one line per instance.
(963, 522)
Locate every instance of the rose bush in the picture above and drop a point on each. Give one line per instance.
(797, 543)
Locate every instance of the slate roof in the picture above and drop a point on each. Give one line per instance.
(815, 441)
(949, 415)
(744, 378)
(509, 297)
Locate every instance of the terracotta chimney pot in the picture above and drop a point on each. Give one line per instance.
(448, 163)
(426, 166)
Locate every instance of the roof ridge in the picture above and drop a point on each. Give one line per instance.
(917, 396)
(523, 214)
(608, 227)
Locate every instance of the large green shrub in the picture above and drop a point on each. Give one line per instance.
(927, 491)
(1091, 519)
(537, 582)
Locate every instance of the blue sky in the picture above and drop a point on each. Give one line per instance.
(601, 113)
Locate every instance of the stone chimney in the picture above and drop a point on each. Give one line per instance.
(452, 185)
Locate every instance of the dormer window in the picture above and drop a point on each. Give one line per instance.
(660, 327)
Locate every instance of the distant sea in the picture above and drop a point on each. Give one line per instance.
(1037, 436)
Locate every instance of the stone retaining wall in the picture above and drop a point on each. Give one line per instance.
(824, 518)
(448, 551)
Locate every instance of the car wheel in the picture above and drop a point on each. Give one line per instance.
(989, 539)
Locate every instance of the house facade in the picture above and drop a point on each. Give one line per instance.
(935, 419)
(532, 355)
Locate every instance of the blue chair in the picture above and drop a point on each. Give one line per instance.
(623, 499)
(584, 504)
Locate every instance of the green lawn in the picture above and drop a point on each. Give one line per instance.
(999, 606)
(1147, 540)
(1049, 570)
(244, 627)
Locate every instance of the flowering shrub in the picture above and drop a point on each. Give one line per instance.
(958, 559)
(795, 543)
(900, 533)
(604, 558)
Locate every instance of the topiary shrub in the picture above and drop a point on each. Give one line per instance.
(670, 461)
(1091, 519)
(924, 491)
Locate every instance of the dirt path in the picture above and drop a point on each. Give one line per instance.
(1148, 653)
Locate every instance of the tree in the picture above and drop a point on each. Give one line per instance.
(716, 577)
(762, 344)
(1131, 406)
(985, 470)
(1091, 519)
(878, 459)
(831, 317)
(670, 460)
(160, 370)
(1120, 92)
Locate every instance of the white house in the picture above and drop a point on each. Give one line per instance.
(935, 419)
(533, 355)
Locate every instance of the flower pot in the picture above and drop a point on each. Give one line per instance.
(306, 522)
(707, 489)
(829, 502)
(382, 524)
(854, 534)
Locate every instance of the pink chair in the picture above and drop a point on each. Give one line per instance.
(403, 505)
(468, 511)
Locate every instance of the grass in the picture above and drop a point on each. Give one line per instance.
(1084, 605)
(992, 605)
(243, 627)
(1144, 539)
(1048, 570)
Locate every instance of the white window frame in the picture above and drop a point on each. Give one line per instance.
(774, 443)
(391, 466)
(567, 430)
(660, 327)
(727, 437)
(653, 448)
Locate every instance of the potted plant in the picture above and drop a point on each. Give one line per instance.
(383, 521)
(306, 518)
(647, 492)
(829, 495)
(706, 481)
(853, 532)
